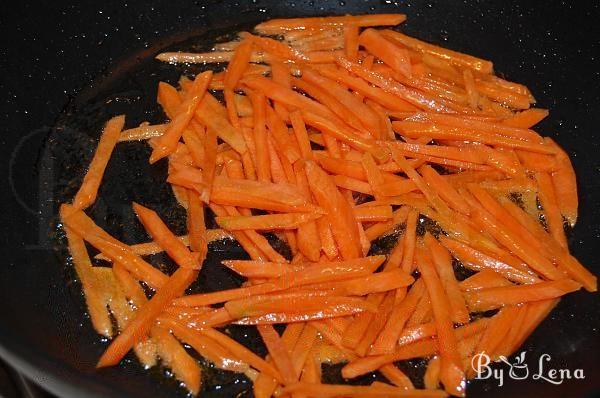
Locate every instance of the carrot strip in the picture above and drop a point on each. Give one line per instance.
(526, 119)
(451, 372)
(86, 195)
(391, 54)
(169, 99)
(238, 64)
(443, 265)
(275, 26)
(266, 222)
(453, 57)
(388, 338)
(490, 298)
(550, 207)
(93, 295)
(167, 143)
(351, 42)
(208, 348)
(479, 261)
(211, 113)
(445, 190)
(373, 213)
(167, 240)
(350, 101)
(301, 134)
(175, 357)
(139, 326)
(143, 132)
(483, 280)
(343, 224)
(279, 132)
(377, 325)
(83, 226)
(410, 236)
(279, 353)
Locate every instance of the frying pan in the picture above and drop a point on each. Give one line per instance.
(66, 66)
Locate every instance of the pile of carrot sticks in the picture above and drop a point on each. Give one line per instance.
(333, 133)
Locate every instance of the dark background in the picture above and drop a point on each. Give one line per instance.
(51, 52)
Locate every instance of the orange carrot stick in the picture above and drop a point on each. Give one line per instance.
(278, 25)
(527, 118)
(451, 372)
(145, 317)
(388, 338)
(175, 357)
(443, 265)
(483, 280)
(238, 64)
(166, 239)
(446, 191)
(279, 353)
(167, 143)
(351, 42)
(551, 209)
(495, 297)
(391, 54)
(453, 57)
(410, 241)
(89, 187)
(266, 222)
(343, 224)
(212, 114)
(83, 226)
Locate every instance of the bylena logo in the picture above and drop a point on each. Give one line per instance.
(519, 370)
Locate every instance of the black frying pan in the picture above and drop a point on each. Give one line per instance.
(66, 66)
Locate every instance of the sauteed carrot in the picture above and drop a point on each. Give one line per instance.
(335, 137)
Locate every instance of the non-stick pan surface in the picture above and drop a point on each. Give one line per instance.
(66, 66)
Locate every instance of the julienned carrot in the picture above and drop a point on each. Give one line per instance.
(490, 298)
(238, 64)
(166, 143)
(375, 283)
(208, 348)
(396, 57)
(166, 239)
(373, 213)
(242, 352)
(217, 121)
(379, 229)
(295, 303)
(351, 42)
(257, 269)
(372, 391)
(388, 338)
(412, 96)
(175, 357)
(281, 25)
(453, 57)
(484, 279)
(527, 118)
(93, 295)
(550, 207)
(266, 222)
(279, 131)
(340, 216)
(81, 224)
(169, 99)
(349, 100)
(379, 321)
(316, 273)
(325, 98)
(554, 251)
(496, 332)
(279, 353)
(418, 129)
(565, 184)
(451, 372)
(198, 238)
(410, 241)
(479, 261)
(443, 265)
(89, 187)
(145, 316)
(445, 190)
